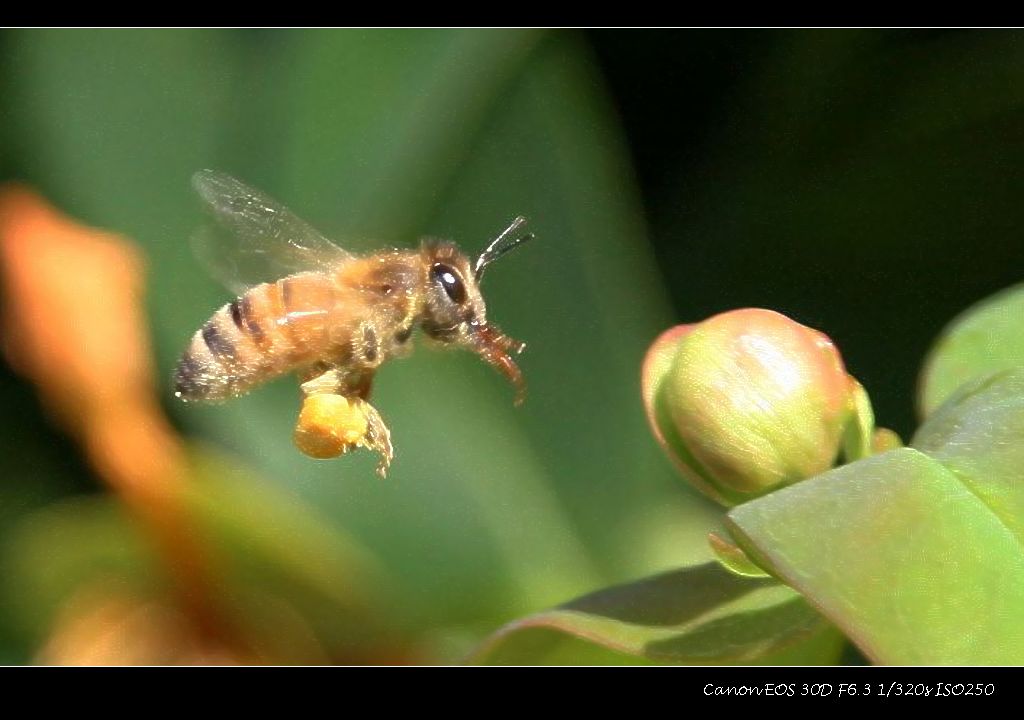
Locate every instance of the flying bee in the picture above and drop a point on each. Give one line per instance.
(308, 307)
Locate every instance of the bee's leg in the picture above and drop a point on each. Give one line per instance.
(336, 419)
(317, 379)
(378, 437)
(361, 385)
(322, 381)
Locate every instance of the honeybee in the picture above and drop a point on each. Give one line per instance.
(307, 306)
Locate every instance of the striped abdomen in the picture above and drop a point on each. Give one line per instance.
(273, 328)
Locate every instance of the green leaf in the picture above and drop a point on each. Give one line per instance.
(398, 110)
(984, 339)
(701, 614)
(732, 557)
(901, 555)
(261, 526)
(977, 435)
(50, 555)
(272, 549)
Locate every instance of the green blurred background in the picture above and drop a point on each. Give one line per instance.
(864, 182)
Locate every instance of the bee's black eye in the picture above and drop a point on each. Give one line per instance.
(450, 281)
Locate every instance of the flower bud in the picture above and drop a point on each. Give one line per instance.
(749, 400)
(884, 440)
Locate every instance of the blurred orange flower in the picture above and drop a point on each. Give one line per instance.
(73, 324)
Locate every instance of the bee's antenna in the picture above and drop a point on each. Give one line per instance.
(507, 240)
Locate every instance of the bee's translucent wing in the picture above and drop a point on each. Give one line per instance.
(251, 239)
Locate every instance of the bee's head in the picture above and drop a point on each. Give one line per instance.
(454, 311)
(452, 298)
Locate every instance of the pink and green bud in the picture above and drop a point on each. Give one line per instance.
(749, 400)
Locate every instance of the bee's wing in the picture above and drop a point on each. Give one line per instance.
(251, 239)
